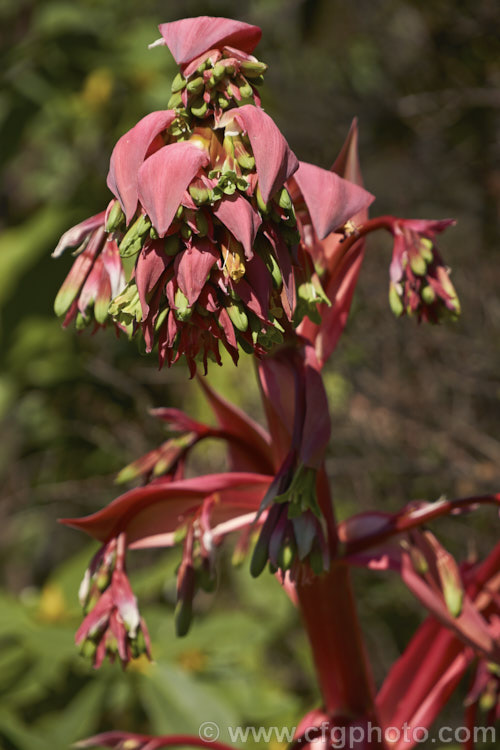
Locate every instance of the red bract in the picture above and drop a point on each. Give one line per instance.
(129, 154)
(247, 444)
(274, 160)
(337, 268)
(191, 37)
(330, 200)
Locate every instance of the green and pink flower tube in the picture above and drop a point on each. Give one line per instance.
(216, 235)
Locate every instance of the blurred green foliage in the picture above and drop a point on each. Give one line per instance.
(416, 411)
(50, 698)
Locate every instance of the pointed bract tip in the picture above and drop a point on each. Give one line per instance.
(157, 43)
(274, 159)
(347, 162)
(129, 155)
(330, 199)
(190, 37)
(77, 234)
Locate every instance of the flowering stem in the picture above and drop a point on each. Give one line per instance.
(330, 618)
(410, 520)
(372, 225)
(121, 549)
(328, 511)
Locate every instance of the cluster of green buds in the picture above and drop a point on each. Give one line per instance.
(224, 79)
(420, 283)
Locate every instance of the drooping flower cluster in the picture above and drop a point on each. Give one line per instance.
(96, 276)
(293, 538)
(171, 510)
(420, 283)
(294, 531)
(112, 626)
(203, 228)
(167, 461)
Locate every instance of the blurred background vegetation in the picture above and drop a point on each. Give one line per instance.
(415, 410)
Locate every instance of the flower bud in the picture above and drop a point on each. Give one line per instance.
(202, 223)
(126, 307)
(135, 237)
(175, 101)
(263, 207)
(246, 91)
(260, 554)
(178, 83)
(284, 200)
(196, 85)
(238, 316)
(418, 265)
(267, 255)
(116, 218)
(428, 295)
(395, 302)
(219, 72)
(253, 68)
(171, 245)
(199, 193)
(286, 556)
(199, 108)
(88, 649)
(222, 101)
(183, 311)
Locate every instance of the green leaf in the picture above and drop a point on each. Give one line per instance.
(20, 247)
(175, 702)
(20, 736)
(79, 719)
